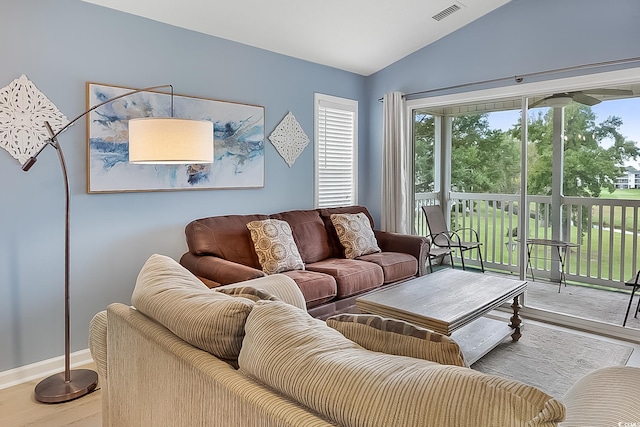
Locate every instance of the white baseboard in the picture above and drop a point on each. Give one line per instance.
(42, 369)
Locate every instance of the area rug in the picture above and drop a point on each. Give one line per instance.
(551, 360)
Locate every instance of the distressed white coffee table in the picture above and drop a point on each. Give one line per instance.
(454, 303)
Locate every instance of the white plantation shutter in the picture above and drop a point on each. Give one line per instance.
(336, 137)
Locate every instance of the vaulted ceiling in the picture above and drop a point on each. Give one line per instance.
(361, 36)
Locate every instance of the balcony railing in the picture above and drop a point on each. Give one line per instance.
(605, 231)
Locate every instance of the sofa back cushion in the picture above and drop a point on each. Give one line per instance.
(335, 247)
(212, 321)
(225, 237)
(309, 233)
(304, 359)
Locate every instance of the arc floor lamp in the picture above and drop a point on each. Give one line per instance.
(152, 140)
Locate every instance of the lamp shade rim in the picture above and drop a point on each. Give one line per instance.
(168, 119)
(170, 161)
(170, 140)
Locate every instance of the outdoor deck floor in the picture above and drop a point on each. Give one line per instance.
(602, 305)
(582, 301)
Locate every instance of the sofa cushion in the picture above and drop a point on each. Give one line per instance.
(305, 360)
(225, 237)
(392, 336)
(317, 288)
(355, 234)
(352, 276)
(274, 245)
(212, 321)
(395, 265)
(309, 232)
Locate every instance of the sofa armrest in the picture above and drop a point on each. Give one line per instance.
(418, 246)
(157, 379)
(98, 341)
(98, 349)
(279, 285)
(604, 397)
(210, 283)
(218, 269)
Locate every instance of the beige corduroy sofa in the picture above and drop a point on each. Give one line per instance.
(249, 355)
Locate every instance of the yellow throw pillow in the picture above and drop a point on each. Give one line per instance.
(355, 234)
(274, 245)
(392, 336)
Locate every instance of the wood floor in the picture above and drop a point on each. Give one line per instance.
(18, 408)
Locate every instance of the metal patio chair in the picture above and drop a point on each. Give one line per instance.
(438, 252)
(442, 237)
(636, 286)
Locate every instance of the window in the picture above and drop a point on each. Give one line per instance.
(336, 141)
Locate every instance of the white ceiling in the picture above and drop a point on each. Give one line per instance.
(361, 36)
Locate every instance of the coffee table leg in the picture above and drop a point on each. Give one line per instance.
(515, 319)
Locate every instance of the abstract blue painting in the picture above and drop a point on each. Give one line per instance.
(238, 143)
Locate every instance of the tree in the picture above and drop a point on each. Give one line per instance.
(486, 160)
(588, 165)
(424, 140)
(483, 159)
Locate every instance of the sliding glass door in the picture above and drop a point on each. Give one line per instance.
(583, 187)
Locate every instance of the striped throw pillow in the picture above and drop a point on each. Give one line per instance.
(391, 336)
(248, 292)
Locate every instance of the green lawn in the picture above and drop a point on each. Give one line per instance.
(630, 194)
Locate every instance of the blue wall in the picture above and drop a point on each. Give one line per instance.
(60, 46)
(521, 37)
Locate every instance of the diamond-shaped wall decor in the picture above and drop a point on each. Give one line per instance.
(23, 111)
(289, 139)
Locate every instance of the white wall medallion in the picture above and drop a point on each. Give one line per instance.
(289, 139)
(23, 111)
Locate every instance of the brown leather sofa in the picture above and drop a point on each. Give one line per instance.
(221, 252)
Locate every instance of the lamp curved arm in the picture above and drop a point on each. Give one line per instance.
(53, 136)
(147, 89)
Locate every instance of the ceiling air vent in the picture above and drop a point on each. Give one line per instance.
(446, 12)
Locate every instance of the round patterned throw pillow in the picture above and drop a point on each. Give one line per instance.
(355, 234)
(274, 245)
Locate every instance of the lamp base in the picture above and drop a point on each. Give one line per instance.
(55, 389)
